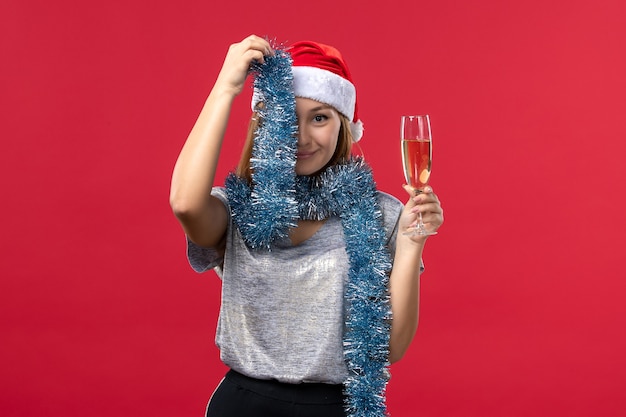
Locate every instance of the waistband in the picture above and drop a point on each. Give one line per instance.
(303, 393)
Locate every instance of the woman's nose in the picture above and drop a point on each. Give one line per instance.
(301, 134)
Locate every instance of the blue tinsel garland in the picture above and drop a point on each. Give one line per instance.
(265, 210)
(270, 205)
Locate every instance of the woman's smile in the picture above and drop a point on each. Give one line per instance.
(304, 155)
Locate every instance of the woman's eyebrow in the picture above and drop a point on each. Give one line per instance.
(321, 107)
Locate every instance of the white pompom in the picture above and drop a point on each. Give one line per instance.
(357, 130)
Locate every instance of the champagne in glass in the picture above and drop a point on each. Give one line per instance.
(417, 158)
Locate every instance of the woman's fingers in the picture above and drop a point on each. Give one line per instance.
(427, 204)
(259, 44)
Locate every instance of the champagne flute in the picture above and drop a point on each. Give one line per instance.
(417, 159)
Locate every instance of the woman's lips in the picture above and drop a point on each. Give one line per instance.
(304, 155)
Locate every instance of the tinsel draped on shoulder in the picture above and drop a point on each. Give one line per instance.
(264, 214)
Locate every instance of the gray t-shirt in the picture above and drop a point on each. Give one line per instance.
(281, 315)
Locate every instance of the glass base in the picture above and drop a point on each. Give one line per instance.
(418, 230)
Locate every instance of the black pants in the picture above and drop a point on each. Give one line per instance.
(242, 396)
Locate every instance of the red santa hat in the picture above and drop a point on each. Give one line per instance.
(321, 74)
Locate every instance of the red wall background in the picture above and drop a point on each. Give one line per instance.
(523, 309)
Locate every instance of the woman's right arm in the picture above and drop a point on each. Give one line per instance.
(202, 216)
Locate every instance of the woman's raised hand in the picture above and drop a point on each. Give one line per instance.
(240, 56)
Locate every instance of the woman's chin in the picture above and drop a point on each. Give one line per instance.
(305, 168)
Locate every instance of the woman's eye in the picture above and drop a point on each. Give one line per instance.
(319, 118)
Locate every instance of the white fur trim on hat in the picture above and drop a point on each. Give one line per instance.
(328, 88)
(325, 87)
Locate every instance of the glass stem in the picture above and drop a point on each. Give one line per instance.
(420, 223)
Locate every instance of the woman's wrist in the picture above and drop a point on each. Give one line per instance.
(409, 251)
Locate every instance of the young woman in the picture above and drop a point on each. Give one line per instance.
(320, 287)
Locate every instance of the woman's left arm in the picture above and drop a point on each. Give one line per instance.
(405, 276)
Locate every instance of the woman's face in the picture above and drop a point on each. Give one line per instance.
(318, 132)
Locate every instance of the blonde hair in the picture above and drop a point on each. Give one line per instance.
(341, 155)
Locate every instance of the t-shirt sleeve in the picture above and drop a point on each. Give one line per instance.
(203, 259)
(392, 208)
